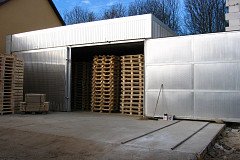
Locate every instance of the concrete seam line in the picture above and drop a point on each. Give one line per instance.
(178, 144)
(149, 132)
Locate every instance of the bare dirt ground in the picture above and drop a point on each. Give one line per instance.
(227, 145)
(25, 145)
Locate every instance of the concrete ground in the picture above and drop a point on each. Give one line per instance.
(82, 135)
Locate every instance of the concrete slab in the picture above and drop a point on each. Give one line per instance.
(109, 130)
(169, 137)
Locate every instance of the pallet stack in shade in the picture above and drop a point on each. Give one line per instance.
(18, 86)
(132, 84)
(1, 80)
(105, 83)
(81, 85)
(7, 84)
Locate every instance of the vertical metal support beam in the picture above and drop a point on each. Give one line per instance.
(8, 44)
(68, 80)
(144, 78)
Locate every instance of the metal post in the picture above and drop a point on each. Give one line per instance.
(68, 80)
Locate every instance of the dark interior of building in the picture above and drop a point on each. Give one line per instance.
(82, 61)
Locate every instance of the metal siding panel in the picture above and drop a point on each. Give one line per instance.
(217, 105)
(217, 76)
(217, 47)
(160, 30)
(171, 76)
(171, 102)
(169, 50)
(119, 29)
(8, 44)
(44, 72)
(138, 27)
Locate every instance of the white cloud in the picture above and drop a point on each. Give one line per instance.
(86, 1)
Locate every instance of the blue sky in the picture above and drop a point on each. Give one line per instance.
(93, 5)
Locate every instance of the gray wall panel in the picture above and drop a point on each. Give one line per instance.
(169, 50)
(213, 80)
(44, 72)
(217, 76)
(217, 105)
(104, 31)
(172, 102)
(171, 76)
(216, 47)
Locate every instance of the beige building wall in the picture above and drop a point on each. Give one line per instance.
(18, 16)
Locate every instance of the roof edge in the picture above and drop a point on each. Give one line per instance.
(53, 7)
(56, 12)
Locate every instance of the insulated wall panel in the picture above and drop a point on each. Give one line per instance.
(159, 29)
(44, 73)
(104, 31)
(120, 29)
(177, 49)
(171, 76)
(217, 76)
(172, 102)
(200, 76)
(212, 105)
(216, 47)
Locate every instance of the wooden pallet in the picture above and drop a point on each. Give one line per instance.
(81, 85)
(34, 107)
(132, 84)
(7, 79)
(105, 83)
(18, 84)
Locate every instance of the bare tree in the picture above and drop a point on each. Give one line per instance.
(79, 15)
(173, 19)
(115, 11)
(205, 16)
(165, 10)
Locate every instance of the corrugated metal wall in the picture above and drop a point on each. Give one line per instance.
(45, 73)
(160, 30)
(119, 29)
(200, 74)
(46, 65)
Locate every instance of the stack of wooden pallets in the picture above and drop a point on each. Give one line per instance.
(105, 83)
(86, 86)
(132, 84)
(1, 80)
(7, 84)
(18, 87)
(81, 85)
(76, 87)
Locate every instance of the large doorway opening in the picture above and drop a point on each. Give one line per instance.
(82, 76)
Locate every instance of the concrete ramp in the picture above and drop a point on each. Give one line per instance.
(185, 137)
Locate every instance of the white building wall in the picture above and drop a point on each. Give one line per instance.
(119, 29)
